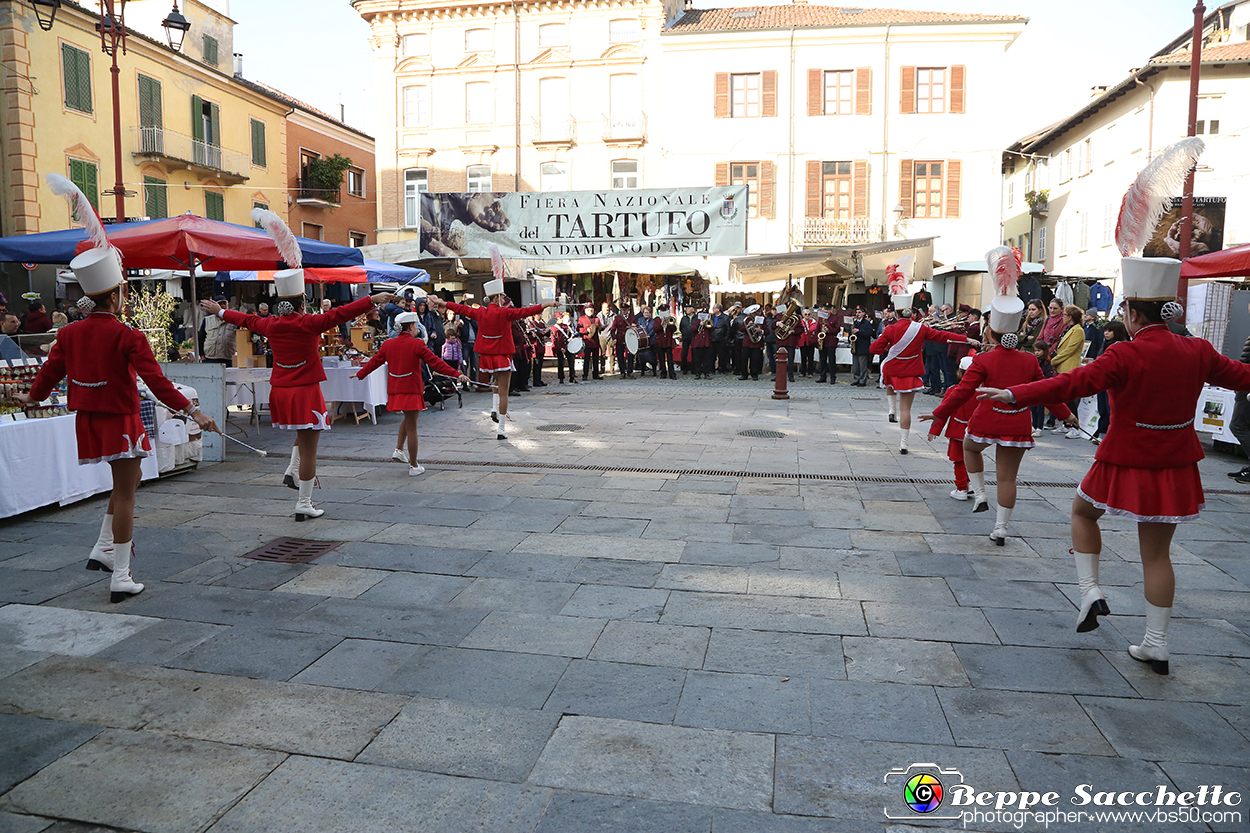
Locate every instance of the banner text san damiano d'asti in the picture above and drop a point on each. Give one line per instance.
(575, 224)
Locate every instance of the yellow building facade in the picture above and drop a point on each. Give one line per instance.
(193, 137)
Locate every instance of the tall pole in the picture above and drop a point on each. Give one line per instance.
(119, 187)
(1187, 205)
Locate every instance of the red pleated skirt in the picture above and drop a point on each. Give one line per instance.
(902, 384)
(104, 437)
(1169, 496)
(405, 402)
(490, 363)
(298, 407)
(1014, 440)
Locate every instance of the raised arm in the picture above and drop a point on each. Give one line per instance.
(436, 364)
(1102, 373)
(378, 359)
(1226, 373)
(253, 323)
(323, 321)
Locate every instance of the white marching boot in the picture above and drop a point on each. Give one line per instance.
(1093, 602)
(292, 470)
(1154, 645)
(501, 430)
(101, 557)
(122, 586)
(999, 535)
(304, 508)
(976, 484)
(902, 441)
(494, 407)
(891, 400)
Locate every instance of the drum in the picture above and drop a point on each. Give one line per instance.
(576, 345)
(631, 341)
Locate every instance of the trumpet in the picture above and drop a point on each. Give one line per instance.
(935, 323)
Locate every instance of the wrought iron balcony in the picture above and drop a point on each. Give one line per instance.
(178, 151)
(555, 131)
(310, 192)
(625, 128)
(822, 231)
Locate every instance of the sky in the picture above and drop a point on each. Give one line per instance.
(322, 55)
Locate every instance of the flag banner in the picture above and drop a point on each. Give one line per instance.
(1208, 231)
(575, 224)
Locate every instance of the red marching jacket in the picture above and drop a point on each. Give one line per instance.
(295, 338)
(619, 326)
(957, 428)
(1154, 382)
(911, 361)
(402, 356)
(494, 332)
(999, 368)
(793, 340)
(102, 356)
(664, 335)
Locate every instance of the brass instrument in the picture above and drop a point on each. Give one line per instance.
(792, 319)
(935, 323)
(707, 322)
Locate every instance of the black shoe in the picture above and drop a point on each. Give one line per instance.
(1245, 478)
(289, 482)
(742, 378)
(1241, 472)
(833, 381)
(893, 418)
(821, 380)
(540, 384)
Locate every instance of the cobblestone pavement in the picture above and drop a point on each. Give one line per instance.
(653, 623)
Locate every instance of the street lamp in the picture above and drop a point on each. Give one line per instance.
(176, 27)
(45, 12)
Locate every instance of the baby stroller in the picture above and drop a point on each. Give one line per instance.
(438, 389)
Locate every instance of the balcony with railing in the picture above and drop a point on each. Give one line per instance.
(311, 192)
(552, 132)
(824, 231)
(622, 129)
(178, 151)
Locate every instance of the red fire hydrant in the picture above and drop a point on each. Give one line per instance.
(783, 373)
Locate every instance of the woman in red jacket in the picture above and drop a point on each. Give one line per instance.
(101, 357)
(1147, 467)
(405, 384)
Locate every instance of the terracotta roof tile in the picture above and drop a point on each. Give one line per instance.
(1210, 54)
(806, 15)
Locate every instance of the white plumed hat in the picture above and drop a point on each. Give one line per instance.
(97, 270)
(493, 287)
(1150, 278)
(289, 283)
(1006, 309)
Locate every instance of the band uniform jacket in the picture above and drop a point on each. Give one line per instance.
(103, 355)
(702, 335)
(403, 356)
(663, 334)
(750, 343)
(1154, 382)
(294, 340)
(866, 331)
(494, 335)
(909, 362)
(998, 368)
(957, 426)
(620, 325)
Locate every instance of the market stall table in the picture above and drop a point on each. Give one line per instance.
(250, 386)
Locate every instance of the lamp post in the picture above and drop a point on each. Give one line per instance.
(1187, 205)
(112, 29)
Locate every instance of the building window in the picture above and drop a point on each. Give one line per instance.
(155, 198)
(625, 173)
(76, 69)
(1041, 245)
(552, 34)
(1065, 166)
(1087, 156)
(210, 51)
(745, 101)
(839, 92)
(356, 182)
(553, 176)
(418, 44)
(1063, 237)
(86, 175)
(416, 106)
(357, 239)
(259, 155)
(479, 179)
(930, 90)
(313, 231)
(416, 181)
(1084, 231)
(748, 174)
(1108, 224)
(1210, 128)
(624, 30)
(836, 183)
(151, 115)
(928, 189)
(479, 106)
(477, 40)
(1011, 194)
(215, 206)
(263, 206)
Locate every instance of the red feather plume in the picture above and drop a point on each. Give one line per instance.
(496, 262)
(1004, 264)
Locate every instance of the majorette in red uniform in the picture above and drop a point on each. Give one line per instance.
(1147, 466)
(101, 357)
(956, 428)
(405, 386)
(295, 400)
(495, 346)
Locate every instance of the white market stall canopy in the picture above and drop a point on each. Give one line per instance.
(867, 262)
(639, 265)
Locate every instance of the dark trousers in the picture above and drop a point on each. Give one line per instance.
(563, 356)
(624, 360)
(1239, 424)
(664, 355)
(859, 365)
(704, 357)
(591, 360)
(470, 362)
(932, 369)
(807, 365)
(770, 352)
(687, 357)
(792, 359)
(736, 358)
(721, 349)
(1039, 416)
(1104, 414)
(538, 365)
(949, 363)
(752, 362)
(521, 376)
(828, 364)
(645, 359)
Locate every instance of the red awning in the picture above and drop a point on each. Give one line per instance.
(1230, 263)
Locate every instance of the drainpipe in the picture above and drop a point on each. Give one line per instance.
(1150, 137)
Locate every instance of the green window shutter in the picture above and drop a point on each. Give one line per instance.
(84, 80)
(215, 123)
(214, 206)
(150, 109)
(197, 118)
(258, 143)
(259, 205)
(155, 198)
(210, 50)
(76, 67)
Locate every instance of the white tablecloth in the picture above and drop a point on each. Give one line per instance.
(341, 385)
(39, 466)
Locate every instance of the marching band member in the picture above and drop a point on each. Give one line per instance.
(901, 344)
(807, 343)
(295, 403)
(560, 334)
(665, 340)
(624, 358)
(1147, 466)
(405, 384)
(495, 347)
(536, 330)
(863, 333)
(825, 338)
(752, 348)
(592, 358)
(790, 342)
(101, 356)
(704, 353)
(1009, 428)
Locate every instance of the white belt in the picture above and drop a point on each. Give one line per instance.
(401, 375)
(963, 421)
(486, 336)
(1176, 427)
(291, 366)
(94, 384)
(1009, 411)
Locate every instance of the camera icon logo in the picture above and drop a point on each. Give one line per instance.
(923, 788)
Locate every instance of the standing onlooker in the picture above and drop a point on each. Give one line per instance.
(36, 320)
(453, 355)
(865, 333)
(1031, 327)
(1042, 351)
(217, 336)
(686, 329)
(1054, 325)
(1112, 332)
(9, 325)
(1066, 355)
(1239, 425)
(720, 338)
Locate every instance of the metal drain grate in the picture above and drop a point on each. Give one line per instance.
(292, 550)
(560, 427)
(557, 393)
(762, 433)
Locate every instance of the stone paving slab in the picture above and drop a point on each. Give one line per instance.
(620, 690)
(531, 633)
(156, 783)
(499, 677)
(573, 812)
(31, 743)
(664, 763)
(56, 630)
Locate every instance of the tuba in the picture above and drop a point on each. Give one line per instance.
(756, 331)
(792, 319)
